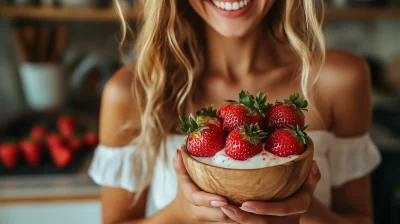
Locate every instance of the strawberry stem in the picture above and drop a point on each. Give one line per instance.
(207, 112)
(299, 132)
(188, 125)
(252, 133)
(253, 103)
(296, 101)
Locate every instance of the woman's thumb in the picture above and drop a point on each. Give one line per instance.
(179, 167)
(313, 177)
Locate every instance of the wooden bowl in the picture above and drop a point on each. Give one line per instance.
(241, 185)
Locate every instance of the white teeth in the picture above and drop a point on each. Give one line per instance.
(235, 6)
(228, 6)
(231, 6)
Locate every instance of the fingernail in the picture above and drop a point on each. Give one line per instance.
(217, 204)
(229, 212)
(314, 169)
(176, 155)
(248, 209)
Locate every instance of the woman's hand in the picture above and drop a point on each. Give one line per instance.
(193, 205)
(287, 211)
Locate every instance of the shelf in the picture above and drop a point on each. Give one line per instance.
(363, 13)
(108, 14)
(64, 14)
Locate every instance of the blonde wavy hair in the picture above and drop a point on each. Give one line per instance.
(169, 47)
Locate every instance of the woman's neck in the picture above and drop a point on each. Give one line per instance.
(238, 56)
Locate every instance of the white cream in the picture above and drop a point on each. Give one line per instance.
(231, 6)
(261, 160)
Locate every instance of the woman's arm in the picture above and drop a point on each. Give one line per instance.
(117, 208)
(117, 109)
(191, 205)
(351, 204)
(347, 86)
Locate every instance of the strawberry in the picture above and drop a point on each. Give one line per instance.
(224, 110)
(32, 152)
(286, 112)
(91, 139)
(288, 141)
(207, 114)
(53, 140)
(204, 139)
(244, 142)
(61, 156)
(9, 154)
(66, 126)
(75, 144)
(38, 132)
(247, 111)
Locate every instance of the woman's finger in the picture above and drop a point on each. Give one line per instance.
(240, 216)
(314, 176)
(190, 190)
(296, 204)
(201, 198)
(204, 214)
(179, 167)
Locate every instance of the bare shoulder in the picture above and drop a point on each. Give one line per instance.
(343, 69)
(118, 88)
(117, 108)
(345, 82)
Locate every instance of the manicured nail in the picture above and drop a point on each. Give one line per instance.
(314, 169)
(248, 209)
(217, 204)
(229, 212)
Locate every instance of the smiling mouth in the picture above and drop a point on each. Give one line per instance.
(231, 6)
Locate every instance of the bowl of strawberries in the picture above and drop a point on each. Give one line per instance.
(248, 150)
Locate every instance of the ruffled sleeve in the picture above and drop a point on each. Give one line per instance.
(351, 158)
(113, 167)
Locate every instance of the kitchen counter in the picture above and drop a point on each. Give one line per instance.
(49, 188)
(27, 189)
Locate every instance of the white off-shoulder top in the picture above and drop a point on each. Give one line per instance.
(339, 159)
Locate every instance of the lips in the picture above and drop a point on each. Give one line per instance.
(231, 5)
(231, 8)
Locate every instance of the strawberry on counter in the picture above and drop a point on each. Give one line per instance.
(9, 154)
(38, 132)
(91, 139)
(32, 152)
(75, 144)
(66, 126)
(61, 156)
(54, 139)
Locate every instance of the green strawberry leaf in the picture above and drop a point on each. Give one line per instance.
(252, 133)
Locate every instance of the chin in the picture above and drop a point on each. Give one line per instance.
(232, 30)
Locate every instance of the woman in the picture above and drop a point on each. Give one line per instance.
(199, 52)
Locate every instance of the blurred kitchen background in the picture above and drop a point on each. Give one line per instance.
(56, 55)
